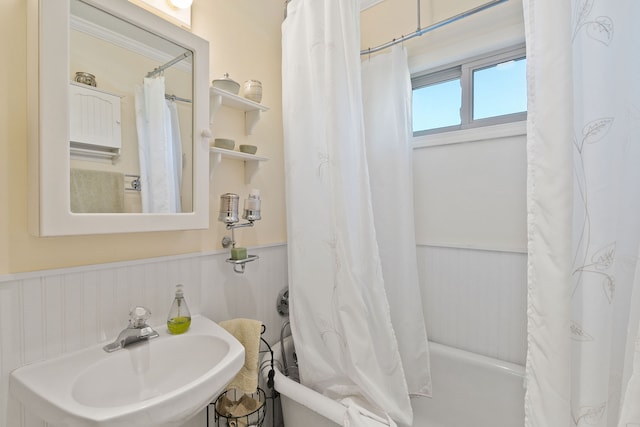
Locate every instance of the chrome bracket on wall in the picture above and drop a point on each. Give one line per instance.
(229, 215)
(282, 304)
(239, 264)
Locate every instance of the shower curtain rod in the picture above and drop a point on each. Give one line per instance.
(421, 31)
(169, 64)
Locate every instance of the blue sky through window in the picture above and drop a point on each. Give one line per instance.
(437, 105)
(498, 90)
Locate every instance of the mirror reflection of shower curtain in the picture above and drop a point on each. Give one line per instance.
(176, 157)
(159, 148)
(341, 318)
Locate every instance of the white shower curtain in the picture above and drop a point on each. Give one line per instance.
(386, 93)
(176, 153)
(583, 361)
(340, 315)
(159, 148)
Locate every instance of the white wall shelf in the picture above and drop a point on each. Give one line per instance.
(251, 109)
(251, 161)
(231, 154)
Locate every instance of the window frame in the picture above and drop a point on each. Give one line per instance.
(464, 70)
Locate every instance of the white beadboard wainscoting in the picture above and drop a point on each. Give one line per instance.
(475, 300)
(48, 313)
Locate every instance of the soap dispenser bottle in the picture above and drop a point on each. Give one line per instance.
(179, 318)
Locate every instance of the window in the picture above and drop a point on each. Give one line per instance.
(481, 92)
(437, 103)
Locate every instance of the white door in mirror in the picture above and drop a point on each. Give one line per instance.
(94, 121)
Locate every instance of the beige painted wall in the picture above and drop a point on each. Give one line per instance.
(394, 18)
(244, 37)
(245, 41)
(495, 28)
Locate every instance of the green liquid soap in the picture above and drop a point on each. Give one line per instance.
(178, 325)
(179, 318)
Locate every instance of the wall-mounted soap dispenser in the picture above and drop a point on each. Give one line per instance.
(229, 215)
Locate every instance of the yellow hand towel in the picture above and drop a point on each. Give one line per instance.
(247, 331)
(94, 191)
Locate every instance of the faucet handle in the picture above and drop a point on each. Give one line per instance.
(138, 316)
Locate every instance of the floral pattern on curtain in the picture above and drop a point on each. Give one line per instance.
(584, 213)
(341, 318)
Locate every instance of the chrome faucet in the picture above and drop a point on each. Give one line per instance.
(137, 331)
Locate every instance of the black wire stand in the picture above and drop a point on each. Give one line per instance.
(256, 417)
(253, 418)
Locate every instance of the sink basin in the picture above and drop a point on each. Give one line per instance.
(161, 382)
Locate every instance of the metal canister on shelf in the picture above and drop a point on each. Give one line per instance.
(229, 208)
(86, 78)
(253, 90)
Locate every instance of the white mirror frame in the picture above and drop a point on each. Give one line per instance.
(48, 111)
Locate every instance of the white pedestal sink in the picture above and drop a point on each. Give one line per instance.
(161, 382)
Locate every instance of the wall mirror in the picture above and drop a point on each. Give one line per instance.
(119, 120)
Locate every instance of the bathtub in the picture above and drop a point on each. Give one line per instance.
(468, 390)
